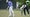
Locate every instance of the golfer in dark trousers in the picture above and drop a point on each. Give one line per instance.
(25, 7)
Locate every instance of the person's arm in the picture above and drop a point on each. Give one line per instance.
(22, 6)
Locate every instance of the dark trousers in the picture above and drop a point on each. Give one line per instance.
(25, 11)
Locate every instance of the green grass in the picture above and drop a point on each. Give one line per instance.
(4, 13)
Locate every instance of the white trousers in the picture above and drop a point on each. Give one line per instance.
(11, 11)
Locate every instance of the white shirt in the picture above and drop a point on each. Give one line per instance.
(23, 6)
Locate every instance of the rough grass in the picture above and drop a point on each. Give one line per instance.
(4, 13)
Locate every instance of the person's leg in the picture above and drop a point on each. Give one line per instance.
(12, 11)
(24, 12)
(27, 11)
(9, 12)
